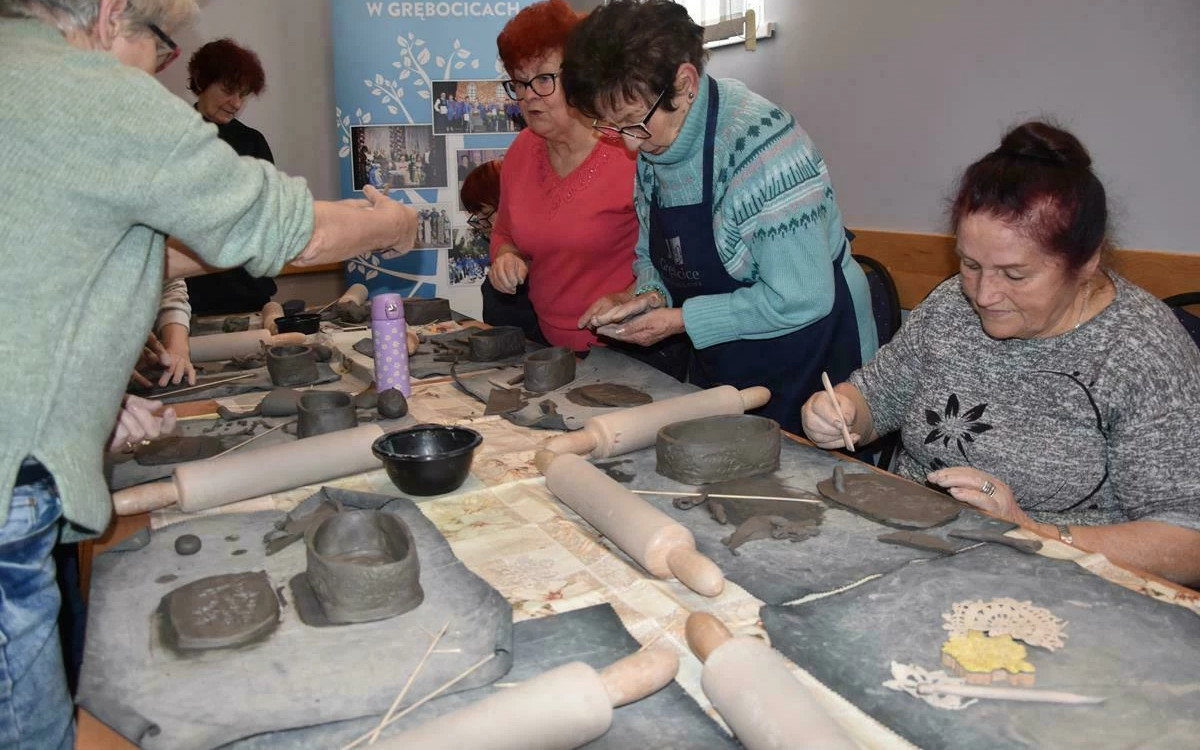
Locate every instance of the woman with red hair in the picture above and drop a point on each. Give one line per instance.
(566, 221)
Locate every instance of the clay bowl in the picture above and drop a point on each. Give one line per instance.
(427, 459)
(718, 448)
(299, 323)
(363, 566)
(325, 411)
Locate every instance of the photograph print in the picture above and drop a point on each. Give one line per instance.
(467, 159)
(464, 107)
(433, 226)
(398, 156)
(468, 258)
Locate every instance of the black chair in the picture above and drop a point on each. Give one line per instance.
(885, 300)
(885, 305)
(1191, 321)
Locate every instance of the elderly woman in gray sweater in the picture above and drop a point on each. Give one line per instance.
(1036, 384)
(95, 154)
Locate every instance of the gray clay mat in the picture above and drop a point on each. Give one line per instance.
(1141, 654)
(259, 380)
(555, 410)
(438, 352)
(297, 675)
(595, 636)
(843, 547)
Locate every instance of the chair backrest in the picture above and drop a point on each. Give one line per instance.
(1191, 321)
(885, 301)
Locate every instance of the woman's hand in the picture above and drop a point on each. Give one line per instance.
(621, 306)
(645, 329)
(176, 356)
(508, 271)
(981, 490)
(140, 420)
(821, 422)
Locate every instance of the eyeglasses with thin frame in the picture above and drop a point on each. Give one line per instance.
(165, 48)
(480, 222)
(542, 85)
(638, 130)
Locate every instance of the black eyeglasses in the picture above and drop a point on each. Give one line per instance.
(480, 222)
(542, 85)
(165, 47)
(638, 131)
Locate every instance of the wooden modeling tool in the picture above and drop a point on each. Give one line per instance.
(993, 692)
(238, 476)
(652, 538)
(838, 407)
(231, 449)
(631, 429)
(210, 384)
(219, 346)
(752, 688)
(726, 497)
(563, 708)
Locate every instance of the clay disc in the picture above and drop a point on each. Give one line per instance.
(608, 395)
(221, 611)
(892, 501)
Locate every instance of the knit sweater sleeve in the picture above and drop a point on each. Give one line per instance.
(174, 306)
(777, 225)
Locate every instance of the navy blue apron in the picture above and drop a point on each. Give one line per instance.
(684, 251)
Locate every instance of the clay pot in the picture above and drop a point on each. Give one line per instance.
(716, 449)
(325, 411)
(363, 566)
(291, 364)
(496, 343)
(421, 310)
(548, 369)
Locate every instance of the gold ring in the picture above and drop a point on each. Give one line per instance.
(988, 488)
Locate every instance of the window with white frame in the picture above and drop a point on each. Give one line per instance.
(710, 13)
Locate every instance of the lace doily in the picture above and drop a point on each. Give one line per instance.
(1036, 626)
(909, 678)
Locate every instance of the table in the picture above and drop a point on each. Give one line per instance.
(506, 527)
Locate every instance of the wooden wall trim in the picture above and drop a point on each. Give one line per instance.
(290, 269)
(919, 262)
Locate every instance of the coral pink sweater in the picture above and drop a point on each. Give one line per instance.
(576, 232)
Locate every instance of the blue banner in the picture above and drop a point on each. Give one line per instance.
(419, 105)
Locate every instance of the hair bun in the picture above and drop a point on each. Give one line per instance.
(1044, 143)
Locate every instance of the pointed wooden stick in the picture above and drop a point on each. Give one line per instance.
(404, 691)
(426, 699)
(842, 417)
(202, 386)
(727, 497)
(1007, 693)
(256, 437)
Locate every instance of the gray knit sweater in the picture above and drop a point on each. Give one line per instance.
(99, 162)
(1094, 426)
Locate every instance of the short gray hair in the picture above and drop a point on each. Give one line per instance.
(82, 14)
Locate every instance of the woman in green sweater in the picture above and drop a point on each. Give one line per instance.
(100, 162)
(741, 244)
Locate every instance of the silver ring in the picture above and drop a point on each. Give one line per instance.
(988, 488)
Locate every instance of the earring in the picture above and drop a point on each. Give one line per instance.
(691, 95)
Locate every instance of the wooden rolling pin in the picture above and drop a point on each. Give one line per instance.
(632, 429)
(751, 687)
(563, 708)
(239, 344)
(655, 540)
(270, 312)
(357, 293)
(237, 476)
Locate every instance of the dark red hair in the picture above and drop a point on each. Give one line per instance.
(223, 61)
(481, 186)
(539, 30)
(1040, 181)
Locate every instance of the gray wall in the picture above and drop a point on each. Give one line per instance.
(899, 95)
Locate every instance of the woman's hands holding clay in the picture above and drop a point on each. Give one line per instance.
(647, 328)
(619, 306)
(508, 271)
(140, 420)
(981, 490)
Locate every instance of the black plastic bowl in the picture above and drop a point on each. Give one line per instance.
(299, 323)
(427, 459)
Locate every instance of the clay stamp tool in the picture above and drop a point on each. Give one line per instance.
(836, 405)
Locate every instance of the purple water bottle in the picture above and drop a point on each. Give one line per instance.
(391, 343)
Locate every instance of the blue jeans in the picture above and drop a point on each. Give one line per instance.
(36, 710)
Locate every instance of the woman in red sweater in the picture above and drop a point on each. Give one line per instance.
(566, 222)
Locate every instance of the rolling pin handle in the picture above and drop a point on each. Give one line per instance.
(639, 675)
(754, 397)
(695, 571)
(144, 498)
(580, 442)
(705, 633)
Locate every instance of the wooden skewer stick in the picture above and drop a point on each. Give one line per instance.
(404, 691)
(727, 497)
(202, 386)
(1007, 693)
(256, 437)
(837, 406)
(462, 676)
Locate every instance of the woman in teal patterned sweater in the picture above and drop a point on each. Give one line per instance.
(741, 246)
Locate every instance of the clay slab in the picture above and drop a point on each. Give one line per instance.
(220, 611)
(891, 500)
(608, 394)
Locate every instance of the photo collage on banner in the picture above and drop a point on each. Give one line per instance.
(419, 104)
